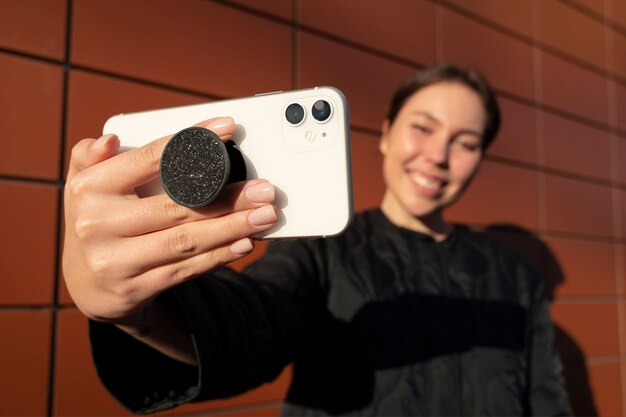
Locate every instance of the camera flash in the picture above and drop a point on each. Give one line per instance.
(309, 136)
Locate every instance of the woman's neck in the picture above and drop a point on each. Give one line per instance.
(432, 224)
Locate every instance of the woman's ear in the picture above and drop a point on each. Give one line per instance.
(384, 137)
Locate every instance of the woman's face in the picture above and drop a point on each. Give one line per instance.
(431, 151)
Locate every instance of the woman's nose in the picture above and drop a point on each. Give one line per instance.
(437, 151)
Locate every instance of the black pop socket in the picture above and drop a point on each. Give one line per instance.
(196, 164)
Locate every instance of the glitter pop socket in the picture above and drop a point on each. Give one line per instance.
(196, 164)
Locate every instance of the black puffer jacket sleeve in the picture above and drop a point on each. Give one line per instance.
(245, 328)
(547, 394)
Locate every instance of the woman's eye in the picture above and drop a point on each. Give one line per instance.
(422, 129)
(468, 145)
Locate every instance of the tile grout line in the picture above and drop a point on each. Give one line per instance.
(59, 234)
(295, 43)
(604, 359)
(538, 118)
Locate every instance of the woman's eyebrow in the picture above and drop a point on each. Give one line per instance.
(435, 120)
(468, 132)
(427, 115)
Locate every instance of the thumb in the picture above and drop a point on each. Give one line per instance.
(89, 152)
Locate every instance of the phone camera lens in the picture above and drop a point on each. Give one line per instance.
(321, 110)
(294, 114)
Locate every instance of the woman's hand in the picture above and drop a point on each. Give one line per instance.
(121, 251)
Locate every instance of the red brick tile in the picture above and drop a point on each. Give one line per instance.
(620, 110)
(621, 285)
(576, 147)
(517, 137)
(95, 98)
(500, 194)
(580, 322)
(406, 29)
(623, 367)
(596, 6)
(617, 10)
(64, 295)
(574, 89)
(368, 185)
(621, 306)
(467, 42)
(24, 362)
(619, 147)
(622, 206)
(279, 8)
(608, 389)
(571, 32)
(27, 261)
(367, 80)
(586, 267)
(203, 46)
(78, 391)
(577, 207)
(514, 15)
(616, 52)
(31, 123)
(34, 26)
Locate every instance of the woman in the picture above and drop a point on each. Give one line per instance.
(403, 314)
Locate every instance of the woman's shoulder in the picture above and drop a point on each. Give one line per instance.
(507, 246)
(513, 253)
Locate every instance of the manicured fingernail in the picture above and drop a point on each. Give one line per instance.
(262, 192)
(222, 126)
(241, 247)
(100, 142)
(262, 216)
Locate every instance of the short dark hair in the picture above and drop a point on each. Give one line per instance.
(450, 73)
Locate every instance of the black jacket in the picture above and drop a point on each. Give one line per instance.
(378, 321)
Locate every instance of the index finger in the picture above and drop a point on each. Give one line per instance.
(124, 172)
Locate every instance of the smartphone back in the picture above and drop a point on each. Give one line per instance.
(308, 162)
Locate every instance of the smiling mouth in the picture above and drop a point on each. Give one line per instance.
(430, 184)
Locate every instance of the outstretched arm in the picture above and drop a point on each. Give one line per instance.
(122, 251)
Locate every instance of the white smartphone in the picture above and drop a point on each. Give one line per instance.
(298, 140)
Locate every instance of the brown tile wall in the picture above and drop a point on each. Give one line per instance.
(553, 185)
